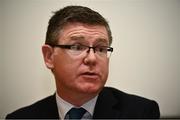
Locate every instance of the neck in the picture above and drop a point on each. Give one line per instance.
(76, 99)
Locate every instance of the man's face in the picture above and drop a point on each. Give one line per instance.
(86, 72)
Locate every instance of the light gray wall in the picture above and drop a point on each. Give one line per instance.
(1, 58)
(145, 60)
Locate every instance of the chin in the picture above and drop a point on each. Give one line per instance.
(91, 89)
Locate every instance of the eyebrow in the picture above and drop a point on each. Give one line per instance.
(82, 38)
(102, 40)
(77, 38)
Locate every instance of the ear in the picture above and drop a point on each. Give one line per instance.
(48, 56)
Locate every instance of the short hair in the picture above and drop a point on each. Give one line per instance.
(71, 14)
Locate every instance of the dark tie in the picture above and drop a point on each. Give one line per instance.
(76, 113)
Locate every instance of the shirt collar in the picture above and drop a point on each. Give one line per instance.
(64, 106)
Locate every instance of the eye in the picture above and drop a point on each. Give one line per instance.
(78, 47)
(101, 49)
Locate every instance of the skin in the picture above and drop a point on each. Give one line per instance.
(79, 78)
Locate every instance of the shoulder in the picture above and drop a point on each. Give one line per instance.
(131, 105)
(124, 97)
(36, 110)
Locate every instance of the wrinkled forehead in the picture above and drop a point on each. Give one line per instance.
(80, 31)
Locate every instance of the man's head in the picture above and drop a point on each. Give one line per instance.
(76, 50)
(72, 14)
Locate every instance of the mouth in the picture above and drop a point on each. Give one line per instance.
(90, 75)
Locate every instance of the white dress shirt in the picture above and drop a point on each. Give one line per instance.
(64, 107)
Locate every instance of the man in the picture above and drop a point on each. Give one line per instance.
(77, 51)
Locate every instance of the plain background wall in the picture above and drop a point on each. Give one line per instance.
(145, 61)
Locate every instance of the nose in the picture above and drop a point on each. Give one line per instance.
(90, 58)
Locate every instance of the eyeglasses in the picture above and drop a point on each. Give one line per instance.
(77, 49)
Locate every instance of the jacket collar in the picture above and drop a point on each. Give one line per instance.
(106, 105)
(52, 110)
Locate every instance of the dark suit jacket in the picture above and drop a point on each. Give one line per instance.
(111, 103)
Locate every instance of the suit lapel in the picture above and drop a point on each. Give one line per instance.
(106, 106)
(50, 109)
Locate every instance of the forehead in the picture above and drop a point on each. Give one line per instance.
(71, 31)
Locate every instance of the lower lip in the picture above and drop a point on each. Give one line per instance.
(86, 76)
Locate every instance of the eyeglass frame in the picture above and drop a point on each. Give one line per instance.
(109, 49)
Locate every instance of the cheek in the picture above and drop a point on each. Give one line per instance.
(104, 66)
(65, 67)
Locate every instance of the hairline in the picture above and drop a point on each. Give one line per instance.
(60, 30)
